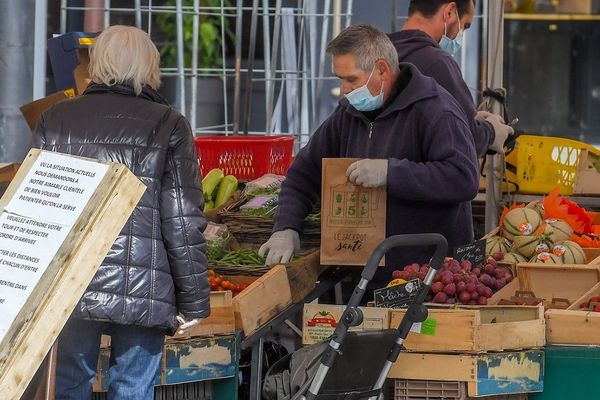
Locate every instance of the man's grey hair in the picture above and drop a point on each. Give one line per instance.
(367, 44)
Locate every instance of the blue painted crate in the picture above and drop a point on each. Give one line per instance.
(191, 360)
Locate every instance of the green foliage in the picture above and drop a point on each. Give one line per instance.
(209, 35)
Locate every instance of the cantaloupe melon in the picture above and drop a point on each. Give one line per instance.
(538, 206)
(570, 252)
(514, 258)
(521, 222)
(546, 258)
(496, 244)
(528, 246)
(557, 230)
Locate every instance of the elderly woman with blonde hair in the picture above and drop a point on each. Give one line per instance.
(156, 269)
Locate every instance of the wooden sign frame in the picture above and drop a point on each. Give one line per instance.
(59, 289)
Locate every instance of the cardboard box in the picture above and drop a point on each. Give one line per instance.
(319, 321)
(69, 56)
(579, 6)
(34, 110)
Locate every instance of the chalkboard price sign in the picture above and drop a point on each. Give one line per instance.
(474, 252)
(397, 296)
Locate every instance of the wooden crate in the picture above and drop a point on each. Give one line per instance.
(547, 281)
(303, 275)
(184, 361)
(320, 320)
(65, 278)
(485, 374)
(221, 320)
(573, 326)
(262, 300)
(474, 329)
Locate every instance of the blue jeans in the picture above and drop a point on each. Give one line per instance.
(135, 358)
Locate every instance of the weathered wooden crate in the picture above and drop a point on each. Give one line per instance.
(560, 286)
(303, 275)
(221, 320)
(408, 389)
(95, 226)
(262, 300)
(191, 360)
(485, 374)
(475, 329)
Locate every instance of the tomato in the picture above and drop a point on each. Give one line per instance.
(226, 285)
(213, 285)
(218, 279)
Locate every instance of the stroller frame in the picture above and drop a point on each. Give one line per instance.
(352, 316)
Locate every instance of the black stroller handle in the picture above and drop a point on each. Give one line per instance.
(352, 315)
(416, 240)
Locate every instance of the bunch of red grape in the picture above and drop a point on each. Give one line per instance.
(462, 282)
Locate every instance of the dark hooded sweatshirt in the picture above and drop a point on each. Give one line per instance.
(418, 48)
(432, 169)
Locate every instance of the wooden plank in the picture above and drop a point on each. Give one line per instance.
(485, 374)
(66, 278)
(262, 300)
(220, 321)
(478, 329)
(303, 275)
(572, 327)
(455, 331)
(437, 367)
(563, 281)
(8, 171)
(511, 335)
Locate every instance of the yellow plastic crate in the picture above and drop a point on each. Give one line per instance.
(540, 163)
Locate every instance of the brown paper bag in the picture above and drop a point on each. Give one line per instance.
(352, 217)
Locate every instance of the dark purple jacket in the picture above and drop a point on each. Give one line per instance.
(418, 48)
(432, 170)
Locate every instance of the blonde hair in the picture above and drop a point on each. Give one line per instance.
(125, 54)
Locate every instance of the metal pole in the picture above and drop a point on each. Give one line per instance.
(394, 15)
(495, 61)
(349, 13)
(320, 72)
(93, 17)
(39, 50)
(251, 56)
(224, 68)
(149, 17)
(138, 13)
(337, 17)
(238, 68)
(195, 27)
(274, 56)
(268, 76)
(106, 13)
(180, 59)
(63, 17)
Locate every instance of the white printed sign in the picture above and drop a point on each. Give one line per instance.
(36, 222)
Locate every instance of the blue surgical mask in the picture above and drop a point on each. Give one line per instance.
(452, 46)
(362, 99)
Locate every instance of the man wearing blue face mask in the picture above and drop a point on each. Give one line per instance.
(434, 32)
(411, 136)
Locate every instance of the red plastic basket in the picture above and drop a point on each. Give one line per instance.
(245, 157)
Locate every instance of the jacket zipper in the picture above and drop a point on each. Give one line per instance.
(370, 129)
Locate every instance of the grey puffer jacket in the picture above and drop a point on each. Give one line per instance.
(157, 266)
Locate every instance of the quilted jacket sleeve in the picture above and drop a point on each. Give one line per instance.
(183, 223)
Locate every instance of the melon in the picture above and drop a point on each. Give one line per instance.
(538, 206)
(515, 258)
(546, 258)
(496, 244)
(528, 246)
(570, 252)
(557, 230)
(521, 222)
